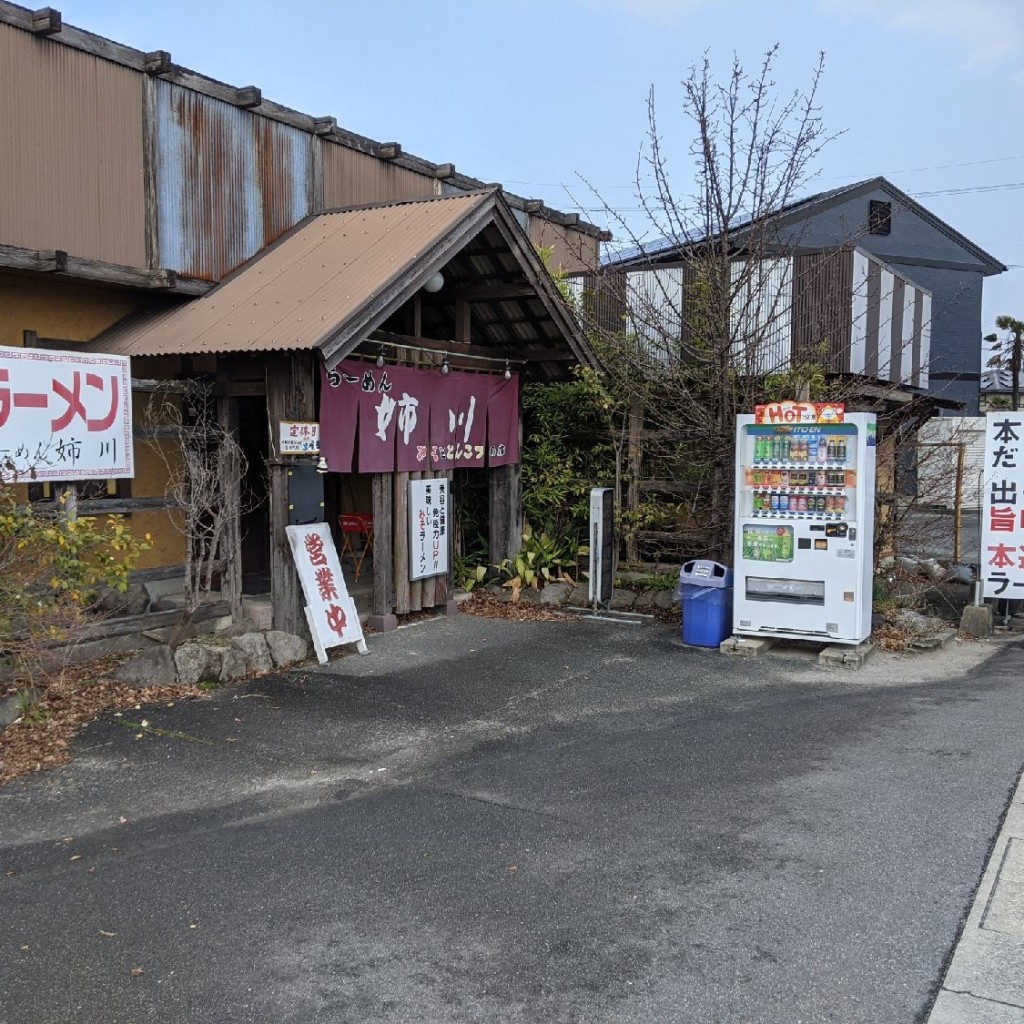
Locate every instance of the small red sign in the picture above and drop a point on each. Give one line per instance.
(788, 412)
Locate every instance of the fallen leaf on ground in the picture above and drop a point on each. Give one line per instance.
(136, 971)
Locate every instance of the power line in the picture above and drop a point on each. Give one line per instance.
(906, 170)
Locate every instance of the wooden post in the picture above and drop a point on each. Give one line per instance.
(401, 527)
(290, 391)
(505, 512)
(230, 554)
(383, 617)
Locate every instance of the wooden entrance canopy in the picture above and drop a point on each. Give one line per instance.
(353, 280)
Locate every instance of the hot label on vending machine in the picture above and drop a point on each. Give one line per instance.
(804, 529)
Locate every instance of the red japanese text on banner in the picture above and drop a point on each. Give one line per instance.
(64, 415)
(1002, 508)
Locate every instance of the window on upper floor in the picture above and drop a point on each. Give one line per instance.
(880, 217)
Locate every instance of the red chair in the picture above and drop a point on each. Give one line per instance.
(356, 537)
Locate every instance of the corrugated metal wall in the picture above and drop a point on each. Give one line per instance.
(228, 182)
(108, 146)
(93, 205)
(761, 310)
(352, 178)
(654, 311)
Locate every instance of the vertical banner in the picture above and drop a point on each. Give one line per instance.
(330, 610)
(1002, 507)
(428, 528)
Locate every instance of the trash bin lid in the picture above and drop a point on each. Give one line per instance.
(706, 573)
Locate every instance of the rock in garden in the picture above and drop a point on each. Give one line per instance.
(153, 667)
(255, 650)
(197, 662)
(555, 593)
(918, 624)
(285, 648)
(233, 664)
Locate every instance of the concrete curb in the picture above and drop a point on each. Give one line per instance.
(984, 983)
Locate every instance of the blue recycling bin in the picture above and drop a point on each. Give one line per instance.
(706, 597)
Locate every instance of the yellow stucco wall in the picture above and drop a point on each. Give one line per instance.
(55, 308)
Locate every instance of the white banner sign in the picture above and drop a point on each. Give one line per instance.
(428, 528)
(299, 437)
(64, 415)
(330, 611)
(1002, 506)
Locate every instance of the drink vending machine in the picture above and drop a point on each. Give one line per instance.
(804, 530)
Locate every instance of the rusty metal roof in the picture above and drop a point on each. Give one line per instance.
(331, 280)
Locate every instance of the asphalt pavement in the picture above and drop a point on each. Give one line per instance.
(496, 821)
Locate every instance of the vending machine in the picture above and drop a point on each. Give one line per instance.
(804, 532)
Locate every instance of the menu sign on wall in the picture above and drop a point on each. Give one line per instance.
(428, 528)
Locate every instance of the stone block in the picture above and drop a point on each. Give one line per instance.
(555, 593)
(977, 620)
(286, 648)
(233, 664)
(257, 654)
(196, 662)
(845, 655)
(149, 668)
(622, 600)
(747, 646)
(259, 611)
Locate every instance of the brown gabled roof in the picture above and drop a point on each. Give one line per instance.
(336, 277)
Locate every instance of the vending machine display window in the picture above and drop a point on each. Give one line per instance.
(768, 543)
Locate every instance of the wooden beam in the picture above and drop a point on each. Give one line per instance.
(488, 293)
(463, 322)
(109, 506)
(444, 171)
(388, 151)
(46, 22)
(156, 62)
(325, 125)
(247, 97)
(57, 261)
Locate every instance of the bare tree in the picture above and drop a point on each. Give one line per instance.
(703, 326)
(205, 467)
